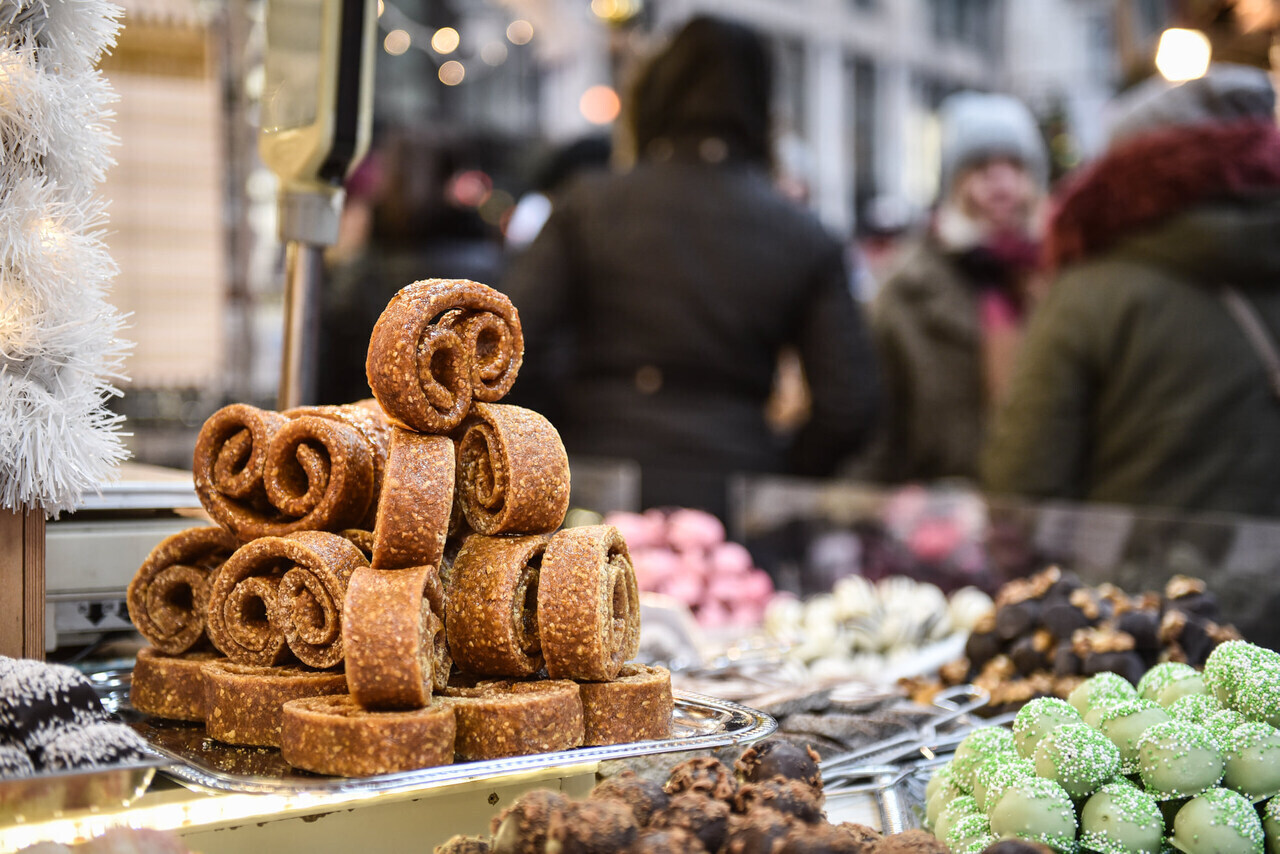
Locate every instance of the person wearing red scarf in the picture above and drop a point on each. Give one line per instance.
(1151, 372)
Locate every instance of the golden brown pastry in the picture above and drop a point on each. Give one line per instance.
(395, 637)
(368, 419)
(417, 497)
(508, 718)
(438, 344)
(310, 598)
(334, 735)
(492, 605)
(169, 594)
(634, 707)
(244, 704)
(513, 473)
(170, 686)
(588, 604)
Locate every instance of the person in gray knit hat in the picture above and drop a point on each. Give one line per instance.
(1151, 372)
(947, 320)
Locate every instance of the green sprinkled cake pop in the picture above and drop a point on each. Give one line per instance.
(1252, 754)
(953, 812)
(1229, 662)
(995, 776)
(977, 747)
(1220, 724)
(968, 830)
(1038, 810)
(1101, 689)
(1178, 759)
(1037, 719)
(1219, 821)
(1078, 758)
(941, 776)
(947, 794)
(1257, 694)
(1124, 725)
(1121, 819)
(1195, 707)
(1170, 680)
(1271, 825)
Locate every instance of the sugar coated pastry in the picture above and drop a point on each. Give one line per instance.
(1257, 694)
(588, 604)
(397, 654)
(1037, 719)
(1252, 754)
(970, 834)
(1038, 810)
(952, 812)
(1195, 707)
(334, 735)
(438, 344)
(1218, 821)
(507, 718)
(244, 704)
(493, 605)
(169, 595)
(947, 794)
(1170, 680)
(1230, 664)
(1101, 690)
(1078, 758)
(101, 743)
(636, 706)
(513, 473)
(170, 686)
(1178, 759)
(41, 700)
(416, 501)
(1125, 723)
(1121, 819)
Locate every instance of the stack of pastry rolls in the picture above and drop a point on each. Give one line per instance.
(386, 588)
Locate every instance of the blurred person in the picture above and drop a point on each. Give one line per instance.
(418, 225)
(946, 322)
(678, 282)
(563, 164)
(1151, 373)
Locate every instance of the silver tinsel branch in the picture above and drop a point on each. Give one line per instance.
(61, 354)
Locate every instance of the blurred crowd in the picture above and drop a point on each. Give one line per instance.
(1113, 336)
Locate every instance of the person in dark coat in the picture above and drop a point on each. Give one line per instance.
(1150, 374)
(675, 285)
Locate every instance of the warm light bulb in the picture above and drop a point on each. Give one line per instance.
(1182, 55)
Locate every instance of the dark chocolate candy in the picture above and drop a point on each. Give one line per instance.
(704, 774)
(522, 827)
(777, 758)
(789, 797)
(704, 817)
(644, 797)
(1063, 618)
(591, 827)
(1018, 619)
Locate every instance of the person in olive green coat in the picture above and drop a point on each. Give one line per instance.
(1144, 376)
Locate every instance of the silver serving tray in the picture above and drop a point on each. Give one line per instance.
(699, 723)
(39, 796)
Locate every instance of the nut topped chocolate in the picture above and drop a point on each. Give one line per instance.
(704, 774)
(777, 758)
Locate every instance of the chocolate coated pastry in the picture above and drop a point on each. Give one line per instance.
(1017, 619)
(644, 797)
(821, 839)
(590, 827)
(169, 594)
(1065, 660)
(666, 840)
(1062, 619)
(704, 817)
(522, 827)
(981, 647)
(703, 774)
(910, 842)
(463, 845)
(1030, 653)
(777, 758)
(14, 762)
(790, 797)
(761, 831)
(102, 743)
(40, 700)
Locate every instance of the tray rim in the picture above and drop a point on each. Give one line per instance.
(751, 725)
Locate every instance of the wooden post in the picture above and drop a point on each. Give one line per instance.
(22, 583)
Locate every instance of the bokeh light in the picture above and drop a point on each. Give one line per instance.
(599, 105)
(520, 31)
(493, 53)
(452, 73)
(1183, 54)
(445, 40)
(382, 7)
(396, 42)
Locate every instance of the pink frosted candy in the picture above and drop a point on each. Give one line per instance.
(713, 615)
(934, 539)
(687, 588)
(757, 586)
(730, 559)
(746, 614)
(694, 529)
(694, 562)
(724, 588)
(639, 530)
(654, 565)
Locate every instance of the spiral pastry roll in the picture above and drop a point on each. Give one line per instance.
(438, 344)
(417, 498)
(394, 632)
(170, 686)
(229, 464)
(634, 707)
(169, 595)
(310, 598)
(509, 718)
(244, 704)
(334, 735)
(588, 604)
(493, 606)
(513, 473)
(370, 422)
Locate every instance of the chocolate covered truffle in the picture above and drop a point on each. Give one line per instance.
(1037, 719)
(1121, 819)
(591, 827)
(704, 774)
(1125, 724)
(790, 797)
(1038, 810)
(705, 817)
(1218, 821)
(1078, 758)
(1178, 759)
(778, 758)
(522, 827)
(463, 845)
(1252, 755)
(666, 840)
(644, 797)
(909, 842)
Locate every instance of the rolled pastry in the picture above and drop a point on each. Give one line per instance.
(367, 417)
(244, 704)
(588, 604)
(513, 473)
(417, 497)
(438, 344)
(333, 735)
(492, 605)
(169, 594)
(282, 595)
(259, 473)
(634, 707)
(170, 686)
(507, 718)
(395, 637)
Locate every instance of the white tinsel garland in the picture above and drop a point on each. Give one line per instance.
(60, 350)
